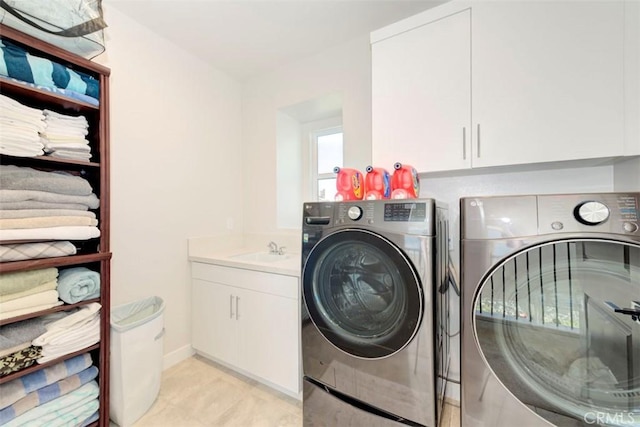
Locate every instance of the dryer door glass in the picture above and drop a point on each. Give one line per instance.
(362, 293)
(559, 325)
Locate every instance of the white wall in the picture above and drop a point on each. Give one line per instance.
(175, 151)
(345, 69)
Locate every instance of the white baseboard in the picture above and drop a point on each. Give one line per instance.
(177, 356)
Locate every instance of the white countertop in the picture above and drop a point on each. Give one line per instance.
(289, 266)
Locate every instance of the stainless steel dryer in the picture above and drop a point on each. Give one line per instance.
(372, 288)
(551, 310)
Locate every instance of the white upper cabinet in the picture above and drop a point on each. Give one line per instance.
(493, 83)
(547, 81)
(422, 96)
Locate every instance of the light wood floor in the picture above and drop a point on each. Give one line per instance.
(200, 393)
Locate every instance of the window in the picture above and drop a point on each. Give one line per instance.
(326, 153)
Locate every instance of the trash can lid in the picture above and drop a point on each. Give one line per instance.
(133, 314)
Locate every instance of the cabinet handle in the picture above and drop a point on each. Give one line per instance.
(231, 306)
(464, 143)
(478, 142)
(237, 311)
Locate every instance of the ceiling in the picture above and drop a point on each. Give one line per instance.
(250, 37)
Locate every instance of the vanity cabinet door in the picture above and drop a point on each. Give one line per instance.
(215, 329)
(268, 344)
(421, 96)
(547, 81)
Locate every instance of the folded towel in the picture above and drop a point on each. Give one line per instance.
(56, 325)
(49, 233)
(28, 310)
(63, 410)
(31, 204)
(92, 419)
(47, 394)
(17, 63)
(69, 154)
(11, 283)
(33, 300)
(14, 349)
(17, 333)
(46, 221)
(36, 250)
(46, 287)
(91, 200)
(15, 390)
(33, 213)
(25, 178)
(63, 92)
(78, 284)
(19, 360)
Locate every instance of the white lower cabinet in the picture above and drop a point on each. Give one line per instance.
(248, 320)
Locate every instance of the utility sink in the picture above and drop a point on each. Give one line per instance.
(261, 257)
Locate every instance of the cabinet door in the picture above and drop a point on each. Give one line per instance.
(547, 81)
(214, 320)
(421, 96)
(268, 342)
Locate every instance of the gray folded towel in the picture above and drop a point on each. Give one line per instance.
(17, 333)
(91, 200)
(23, 178)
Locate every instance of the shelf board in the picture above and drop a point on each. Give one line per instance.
(63, 307)
(42, 95)
(31, 264)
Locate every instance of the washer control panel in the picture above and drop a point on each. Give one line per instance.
(605, 212)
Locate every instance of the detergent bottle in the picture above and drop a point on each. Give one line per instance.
(377, 184)
(349, 184)
(405, 183)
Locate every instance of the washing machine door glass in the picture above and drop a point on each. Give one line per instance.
(559, 325)
(362, 293)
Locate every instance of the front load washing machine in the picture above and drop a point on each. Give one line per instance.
(551, 310)
(373, 286)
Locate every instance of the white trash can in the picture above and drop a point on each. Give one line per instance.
(137, 329)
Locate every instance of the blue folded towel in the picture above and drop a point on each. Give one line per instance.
(78, 284)
(17, 63)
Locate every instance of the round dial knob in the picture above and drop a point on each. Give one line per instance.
(630, 227)
(354, 213)
(592, 213)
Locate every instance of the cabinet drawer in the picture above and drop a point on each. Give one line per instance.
(275, 284)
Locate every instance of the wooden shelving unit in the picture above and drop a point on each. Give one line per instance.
(93, 253)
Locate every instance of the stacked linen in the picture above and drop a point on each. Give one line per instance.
(65, 136)
(37, 205)
(23, 394)
(69, 331)
(19, 128)
(16, 349)
(25, 292)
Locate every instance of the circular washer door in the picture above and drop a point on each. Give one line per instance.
(362, 293)
(559, 325)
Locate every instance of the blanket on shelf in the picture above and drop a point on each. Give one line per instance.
(78, 284)
(15, 390)
(16, 62)
(20, 281)
(25, 178)
(47, 394)
(67, 93)
(69, 409)
(19, 360)
(36, 250)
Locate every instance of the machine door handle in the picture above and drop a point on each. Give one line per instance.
(635, 314)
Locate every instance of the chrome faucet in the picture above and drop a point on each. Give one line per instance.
(273, 247)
